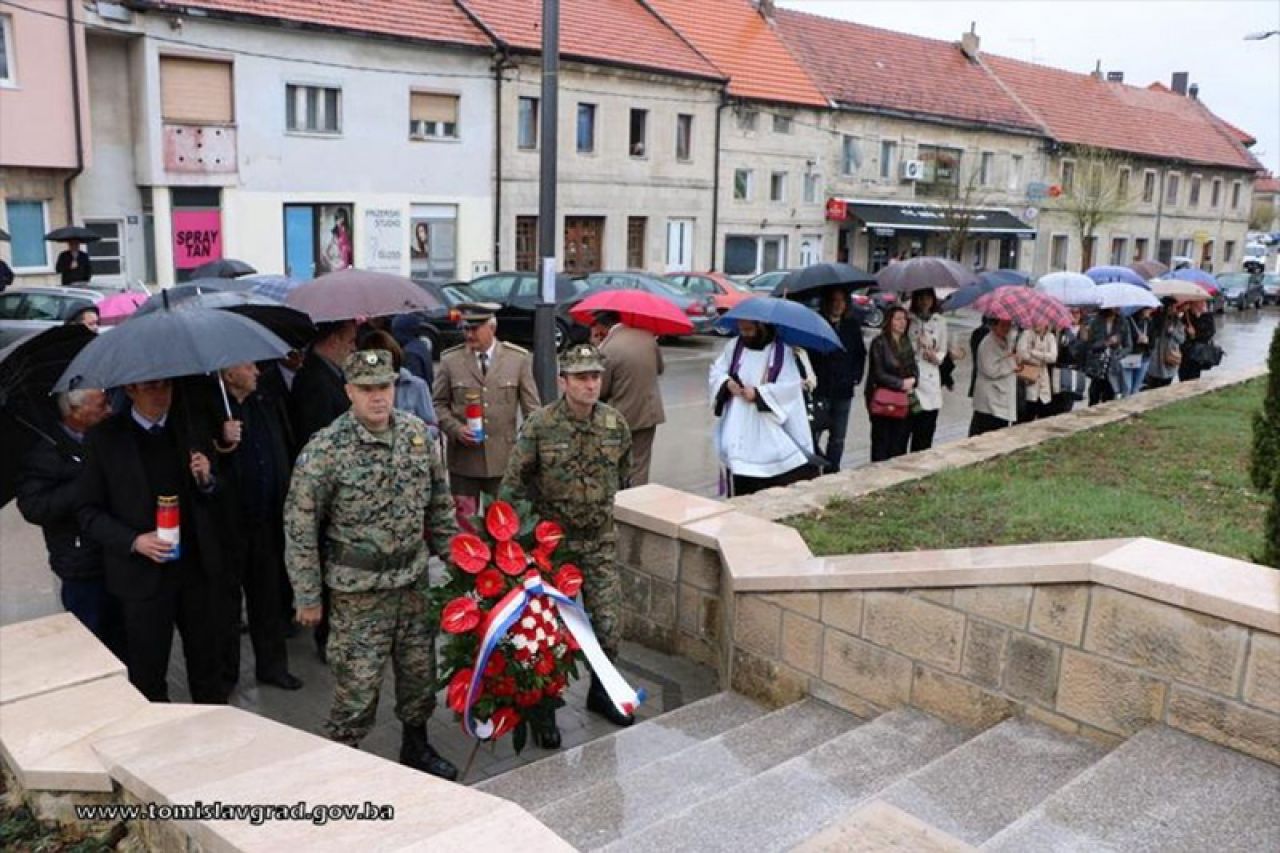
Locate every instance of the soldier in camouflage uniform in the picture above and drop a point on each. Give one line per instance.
(362, 489)
(569, 461)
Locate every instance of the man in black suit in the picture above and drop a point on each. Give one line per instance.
(131, 460)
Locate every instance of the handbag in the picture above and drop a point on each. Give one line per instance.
(1029, 373)
(888, 403)
(1172, 357)
(1204, 354)
(1098, 364)
(1133, 361)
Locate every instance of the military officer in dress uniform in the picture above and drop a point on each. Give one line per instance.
(497, 377)
(572, 457)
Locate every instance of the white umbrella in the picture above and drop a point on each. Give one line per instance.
(1120, 295)
(1183, 291)
(1070, 288)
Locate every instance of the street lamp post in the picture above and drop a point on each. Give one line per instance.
(544, 346)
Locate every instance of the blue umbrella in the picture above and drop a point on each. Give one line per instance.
(1003, 277)
(1116, 275)
(275, 287)
(1195, 276)
(796, 324)
(987, 282)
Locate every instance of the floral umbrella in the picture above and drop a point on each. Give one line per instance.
(1025, 307)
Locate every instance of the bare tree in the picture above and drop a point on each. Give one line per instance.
(1095, 191)
(961, 210)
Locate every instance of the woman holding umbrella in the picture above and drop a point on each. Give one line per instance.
(1037, 350)
(893, 368)
(995, 402)
(1200, 330)
(1109, 340)
(838, 372)
(928, 334)
(1169, 330)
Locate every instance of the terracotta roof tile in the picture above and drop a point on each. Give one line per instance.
(1267, 184)
(429, 20)
(859, 65)
(623, 32)
(1080, 109)
(745, 47)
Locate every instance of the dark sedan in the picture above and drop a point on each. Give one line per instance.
(441, 325)
(1241, 291)
(700, 310)
(517, 293)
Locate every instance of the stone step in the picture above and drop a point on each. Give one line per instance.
(982, 786)
(630, 802)
(1161, 790)
(541, 783)
(780, 808)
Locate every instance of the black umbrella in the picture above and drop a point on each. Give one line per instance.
(170, 343)
(67, 233)
(4, 236)
(223, 268)
(28, 369)
(816, 276)
(293, 326)
(182, 297)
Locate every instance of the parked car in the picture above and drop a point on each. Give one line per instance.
(766, 281)
(700, 310)
(1241, 290)
(517, 293)
(724, 291)
(872, 303)
(442, 325)
(25, 309)
(1271, 288)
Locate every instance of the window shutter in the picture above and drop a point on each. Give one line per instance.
(196, 90)
(425, 106)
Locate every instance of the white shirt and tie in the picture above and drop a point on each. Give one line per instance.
(485, 359)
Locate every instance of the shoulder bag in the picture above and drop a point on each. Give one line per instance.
(888, 403)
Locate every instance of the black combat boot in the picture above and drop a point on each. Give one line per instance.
(547, 735)
(598, 702)
(415, 752)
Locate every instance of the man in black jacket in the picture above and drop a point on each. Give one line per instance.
(838, 372)
(131, 460)
(48, 496)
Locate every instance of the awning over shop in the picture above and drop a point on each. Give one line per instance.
(928, 217)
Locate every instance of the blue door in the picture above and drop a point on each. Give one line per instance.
(299, 242)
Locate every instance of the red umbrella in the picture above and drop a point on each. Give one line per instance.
(638, 309)
(1024, 307)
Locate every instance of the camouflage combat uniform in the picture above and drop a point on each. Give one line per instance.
(570, 469)
(355, 511)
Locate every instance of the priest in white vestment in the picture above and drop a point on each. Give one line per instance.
(762, 433)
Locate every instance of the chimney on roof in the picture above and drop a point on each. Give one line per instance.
(969, 41)
(1194, 92)
(1115, 76)
(1096, 73)
(1179, 82)
(765, 8)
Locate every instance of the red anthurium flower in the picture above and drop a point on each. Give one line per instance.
(504, 720)
(490, 583)
(456, 695)
(548, 535)
(544, 665)
(523, 654)
(542, 556)
(469, 552)
(502, 521)
(557, 686)
(504, 685)
(497, 664)
(569, 579)
(571, 642)
(510, 557)
(460, 616)
(528, 698)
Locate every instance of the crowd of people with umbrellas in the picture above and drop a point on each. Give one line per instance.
(1041, 347)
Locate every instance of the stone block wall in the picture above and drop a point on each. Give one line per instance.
(1086, 658)
(671, 592)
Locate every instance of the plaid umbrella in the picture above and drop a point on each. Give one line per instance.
(1024, 307)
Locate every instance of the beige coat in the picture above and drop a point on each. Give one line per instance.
(1040, 350)
(632, 364)
(928, 336)
(507, 389)
(995, 391)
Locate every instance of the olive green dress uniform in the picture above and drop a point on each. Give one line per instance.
(505, 389)
(570, 469)
(354, 519)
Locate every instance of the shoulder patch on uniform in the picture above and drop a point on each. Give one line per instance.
(515, 347)
(302, 458)
(417, 441)
(454, 348)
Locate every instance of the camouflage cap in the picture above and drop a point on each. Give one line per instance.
(369, 367)
(581, 358)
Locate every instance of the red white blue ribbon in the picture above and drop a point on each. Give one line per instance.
(507, 612)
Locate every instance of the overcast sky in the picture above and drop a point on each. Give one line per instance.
(1146, 39)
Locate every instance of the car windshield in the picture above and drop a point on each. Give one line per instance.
(1233, 279)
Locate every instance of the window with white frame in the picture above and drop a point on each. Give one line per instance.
(1122, 183)
(684, 137)
(433, 115)
(28, 222)
(850, 155)
(812, 183)
(1067, 177)
(1015, 171)
(8, 73)
(749, 255)
(781, 124)
(586, 128)
(1148, 186)
(888, 158)
(1171, 187)
(1228, 251)
(1184, 247)
(1119, 248)
(742, 181)
(1235, 195)
(106, 255)
(1141, 248)
(639, 138)
(1215, 192)
(778, 186)
(1058, 251)
(1193, 195)
(747, 120)
(527, 123)
(313, 109)
(986, 168)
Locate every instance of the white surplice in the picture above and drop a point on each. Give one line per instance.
(755, 443)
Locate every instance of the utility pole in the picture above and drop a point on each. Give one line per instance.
(544, 345)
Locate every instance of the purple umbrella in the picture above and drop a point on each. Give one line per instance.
(924, 273)
(352, 293)
(1116, 275)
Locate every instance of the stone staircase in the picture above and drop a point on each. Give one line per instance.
(725, 774)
